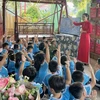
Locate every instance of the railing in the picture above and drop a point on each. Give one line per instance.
(40, 28)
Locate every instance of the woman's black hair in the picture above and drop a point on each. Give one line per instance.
(38, 60)
(18, 57)
(87, 15)
(63, 59)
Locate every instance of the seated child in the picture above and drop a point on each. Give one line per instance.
(3, 70)
(20, 63)
(9, 41)
(72, 66)
(30, 72)
(5, 48)
(57, 84)
(30, 52)
(54, 70)
(11, 64)
(77, 91)
(16, 48)
(55, 53)
(80, 67)
(41, 67)
(78, 76)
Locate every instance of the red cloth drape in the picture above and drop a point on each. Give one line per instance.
(84, 45)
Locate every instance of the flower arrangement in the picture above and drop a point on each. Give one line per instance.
(17, 90)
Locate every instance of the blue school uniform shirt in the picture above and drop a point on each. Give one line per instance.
(55, 58)
(97, 75)
(21, 46)
(30, 55)
(88, 89)
(4, 51)
(86, 78)
(41, 73)
(39, 86)
(35, 48)
(16, 51)
(72, 66)
(27, 64)
(3, 72)
(9, 43)
(11, 66)
(65, 95)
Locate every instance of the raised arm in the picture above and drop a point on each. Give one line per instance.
(59, 55)
(47, 53)
(4, 59)
(93, 80)
(22, 65)
(68, 73)
(77, 24)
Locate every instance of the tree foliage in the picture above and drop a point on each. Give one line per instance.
(32, 14)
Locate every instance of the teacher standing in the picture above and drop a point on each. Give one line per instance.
(84, 45)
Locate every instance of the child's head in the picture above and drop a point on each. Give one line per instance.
(5, 46)
(30, 44)
(18, 59)
(53, 66)
(16, 46)
(12, 57)
(8, 38)
(56, 83)
(38, 60)
(41, 46)
(77, 90)
(19, 41)
(77, 76)
(63, 59)
(80, 66)
(44, 39)
(55, 52)
(30, 49)
(30, 72)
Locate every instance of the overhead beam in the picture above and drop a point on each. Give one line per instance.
(41, 1)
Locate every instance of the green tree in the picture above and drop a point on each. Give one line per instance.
(32, 14)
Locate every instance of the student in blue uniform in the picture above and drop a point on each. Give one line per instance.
(72, 66)
(5, 48)
(77, 91)
(11, 64)
(41, 66)
(57, 84)
(3, 70)
(41, 61)
(80, 67)
(78, 76)
(19, 63)
(30, 72)
(30, 52)
(21, 47)
(55, 53)
(9, 42)
(16, 48)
